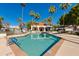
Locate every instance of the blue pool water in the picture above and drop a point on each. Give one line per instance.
(36, 44)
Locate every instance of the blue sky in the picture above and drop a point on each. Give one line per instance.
(12, 11)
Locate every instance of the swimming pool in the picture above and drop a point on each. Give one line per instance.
(37, 44)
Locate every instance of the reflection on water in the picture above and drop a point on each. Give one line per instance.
(41, 36)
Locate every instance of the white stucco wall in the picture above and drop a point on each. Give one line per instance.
(2, 35)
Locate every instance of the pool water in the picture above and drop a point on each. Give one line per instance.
(37, 44)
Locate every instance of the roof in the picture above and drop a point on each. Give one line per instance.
(39, 24)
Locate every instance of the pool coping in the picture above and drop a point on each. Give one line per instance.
(50, 47)
(17, 51)
(53, 50)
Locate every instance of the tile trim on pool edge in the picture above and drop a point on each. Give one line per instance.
(49, 47)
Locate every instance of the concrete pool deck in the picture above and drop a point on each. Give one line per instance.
(18, 35)
(4, 49)
(17, 51)
(68, 46)
(68, 49)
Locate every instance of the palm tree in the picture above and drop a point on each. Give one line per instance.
(20, 19)
(64, 6)
(37, 16)
(49, 20)
(34, 15)
(23, 5)
(52, 9)
(1, 19)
